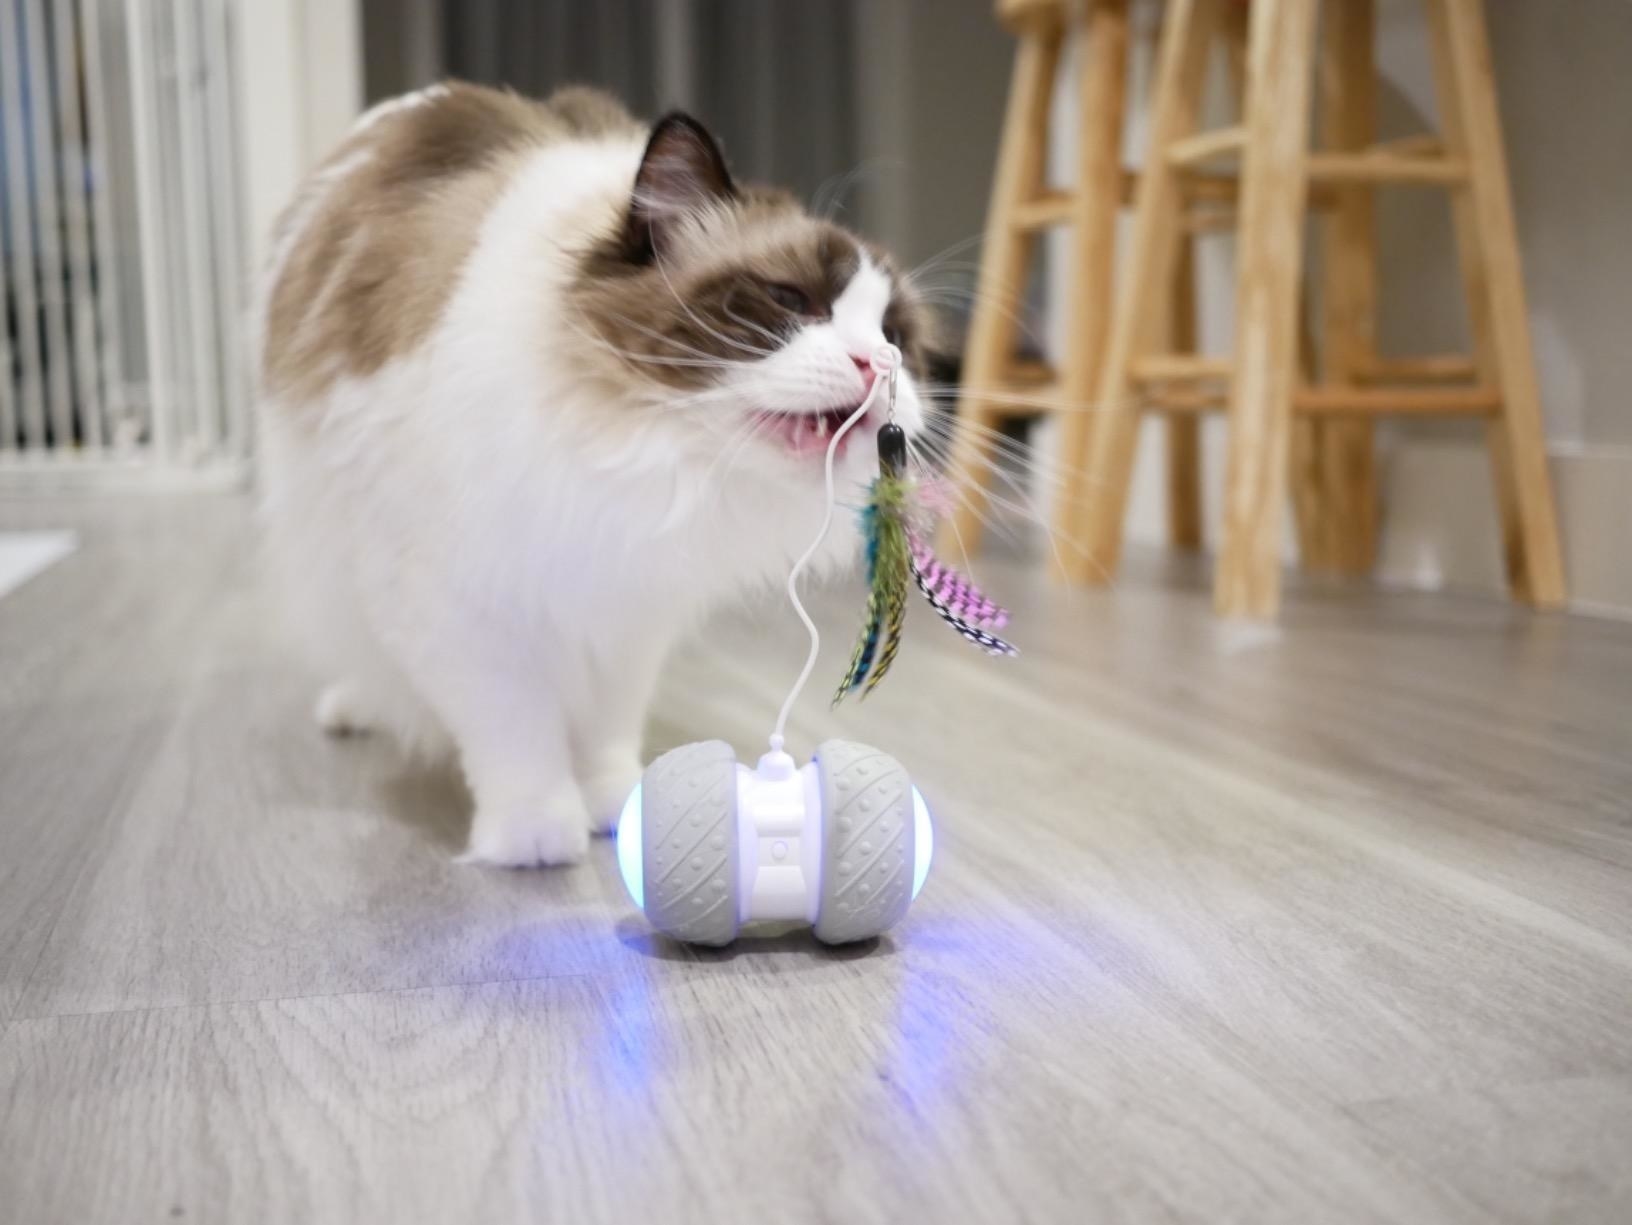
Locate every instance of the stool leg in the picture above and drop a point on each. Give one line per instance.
(1180, 71)
(1349, 303)
(1311, 488)
(1102, 73)
(1269, 257)
(1003, 267)
(1310, 503)
(1184, 429)
(1488, 246)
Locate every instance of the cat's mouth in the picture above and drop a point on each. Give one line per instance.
(807, 433)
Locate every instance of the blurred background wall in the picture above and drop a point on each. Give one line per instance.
(886, 111)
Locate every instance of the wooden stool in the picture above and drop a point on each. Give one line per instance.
(1260, 386)
(1021, 208)
(997, 384)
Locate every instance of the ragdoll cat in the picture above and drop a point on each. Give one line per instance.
(540, 387)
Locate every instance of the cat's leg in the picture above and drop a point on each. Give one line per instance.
(608, 730)
(513, 737)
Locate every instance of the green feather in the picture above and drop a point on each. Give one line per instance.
(891, 581)
(861, 659)
(889, 577)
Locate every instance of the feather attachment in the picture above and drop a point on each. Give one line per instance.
(936, 593)
(889, 574)
(897, 558)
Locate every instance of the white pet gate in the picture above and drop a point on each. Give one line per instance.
(121, 234)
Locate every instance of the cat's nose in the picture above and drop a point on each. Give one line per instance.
(865, 365)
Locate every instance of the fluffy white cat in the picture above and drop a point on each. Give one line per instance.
(540, 386)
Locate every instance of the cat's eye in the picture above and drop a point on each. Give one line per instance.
(789, 297)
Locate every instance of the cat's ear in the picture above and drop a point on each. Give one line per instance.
(681, 170)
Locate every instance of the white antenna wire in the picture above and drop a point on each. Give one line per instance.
(886, 362)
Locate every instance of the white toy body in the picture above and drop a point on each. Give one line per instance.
(707, 845)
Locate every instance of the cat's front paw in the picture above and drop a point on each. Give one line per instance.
(528, 836)
(606, 790)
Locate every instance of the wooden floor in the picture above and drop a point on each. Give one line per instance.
(1320, 925)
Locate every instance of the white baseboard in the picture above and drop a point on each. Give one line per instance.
(1439, 529)
(1439, 521)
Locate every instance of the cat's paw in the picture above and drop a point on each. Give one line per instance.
(341, 711)
(528, 836)
(605, 792)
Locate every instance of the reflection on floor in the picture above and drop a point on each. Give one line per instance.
(1330, 924)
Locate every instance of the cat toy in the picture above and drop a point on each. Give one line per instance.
(894, 525)
(707, 845)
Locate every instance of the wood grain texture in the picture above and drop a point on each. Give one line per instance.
(1102, 87)
(1493, 283)
(1143, 285)
(1185, 512)
(1269, 254)
(1322, 922)
(1004, 264)
(1347, 449)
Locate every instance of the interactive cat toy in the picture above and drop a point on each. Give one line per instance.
(706, 845)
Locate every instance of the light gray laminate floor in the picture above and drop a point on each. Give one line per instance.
(1333, 924)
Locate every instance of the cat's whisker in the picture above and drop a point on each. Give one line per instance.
(662, 337)
(828, 199)
(1026, 511)
(1010, 310)
(653, 359)
(1031, 510)
(990, 440)
(1047, 473)
(741, 438)
(1057, 487)
(953, 393)
(702, 323)
(761, 328)
(946, 253)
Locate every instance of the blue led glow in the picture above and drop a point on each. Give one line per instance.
(923, 841)
(631, 858)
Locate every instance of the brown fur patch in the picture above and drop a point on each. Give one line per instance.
(379, 258)
(721, 295)
(383, 239)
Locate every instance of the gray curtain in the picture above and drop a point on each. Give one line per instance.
(773, 78)
(884, 113)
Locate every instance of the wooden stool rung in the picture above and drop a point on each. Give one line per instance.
(1430, 368)
(1335, 400)
(1056, 207)
(1027, 373)
(1180, 368)
(1050, 208)
(1182, 399)
(1204, 146)
(1372, 166)
(1420, 144)
(1342, 400)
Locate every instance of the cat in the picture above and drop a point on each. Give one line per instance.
(539, 388)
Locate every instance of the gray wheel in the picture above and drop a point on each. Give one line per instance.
(688, 818)
(867, 841)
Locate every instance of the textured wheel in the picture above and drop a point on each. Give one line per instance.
(867, 841)
(689, 843)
